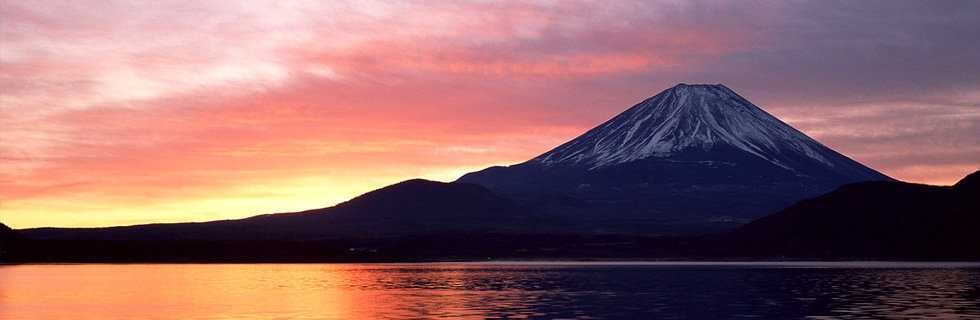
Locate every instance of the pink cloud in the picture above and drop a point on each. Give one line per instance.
(222, 110)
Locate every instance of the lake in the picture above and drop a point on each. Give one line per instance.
(519, 290)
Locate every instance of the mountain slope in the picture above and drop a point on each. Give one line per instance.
(698, 117)
(410, 207)
(873, 220)
(694, 158)
(14, 247)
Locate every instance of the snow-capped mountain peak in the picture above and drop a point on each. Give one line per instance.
(681, 118)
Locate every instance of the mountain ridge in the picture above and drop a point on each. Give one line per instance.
(876, 219)
(409, 207)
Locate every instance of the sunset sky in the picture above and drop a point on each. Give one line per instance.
(126, 112)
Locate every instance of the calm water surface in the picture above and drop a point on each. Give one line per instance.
(854, 290)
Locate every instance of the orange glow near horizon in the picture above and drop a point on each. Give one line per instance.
(132, 113)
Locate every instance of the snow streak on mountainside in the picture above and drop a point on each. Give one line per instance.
(701, 117)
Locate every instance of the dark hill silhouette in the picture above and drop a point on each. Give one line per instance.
(14, 247)
(415, 220)
(421, 220)
(888, 220)
(406, 208)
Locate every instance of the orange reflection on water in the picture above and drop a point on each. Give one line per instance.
(174, 292)
(480, 291)
(235, 292)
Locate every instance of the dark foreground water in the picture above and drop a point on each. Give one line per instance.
(852, 290)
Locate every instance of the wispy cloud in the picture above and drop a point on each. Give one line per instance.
(117, 112)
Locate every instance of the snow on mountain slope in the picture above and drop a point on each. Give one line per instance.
(693, 116)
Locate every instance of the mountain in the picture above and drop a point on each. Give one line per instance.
(410, 207)
(893, 220)
(691, 159)
(414, 220)
(14, 247)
